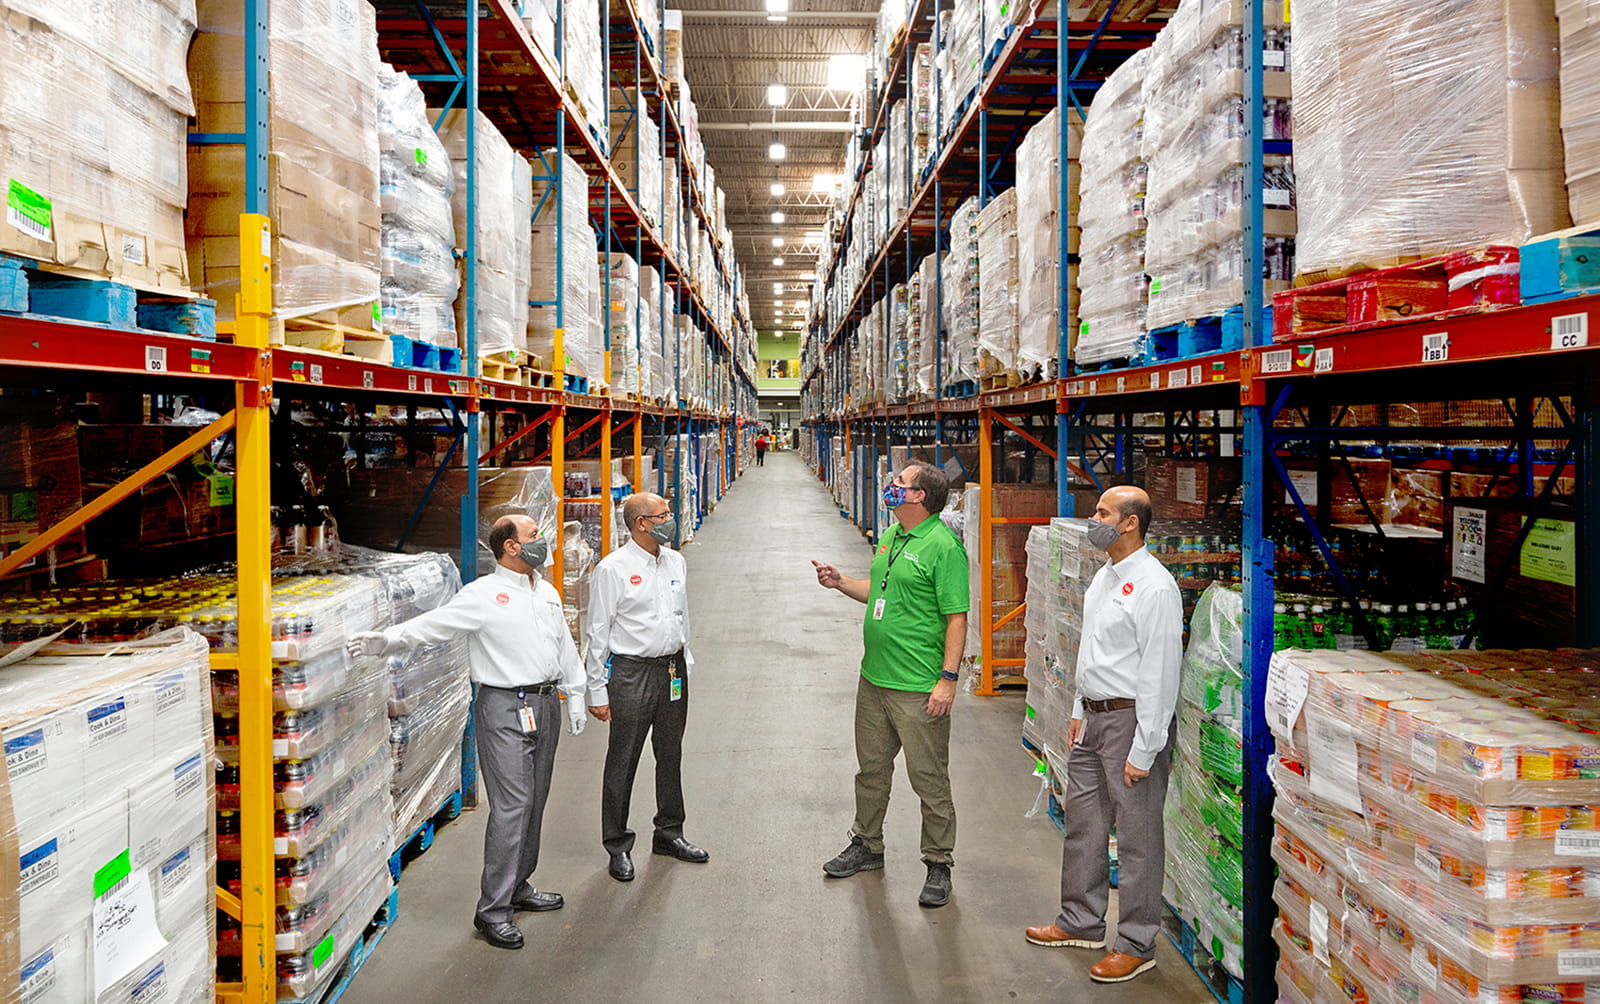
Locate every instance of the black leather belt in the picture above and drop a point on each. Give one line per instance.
(1114, 704)
(530, 690)
(662, 661)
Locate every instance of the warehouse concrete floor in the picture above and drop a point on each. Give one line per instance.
(768, 766)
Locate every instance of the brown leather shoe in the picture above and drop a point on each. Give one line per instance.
(1119, 968)
(1051, 936)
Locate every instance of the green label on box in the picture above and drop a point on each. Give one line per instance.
(23, 506)
(1155, 286)
(115, 870)
(1550, 554)
(321, 954)
(1083, 329)
(221, 489)
(28, 211)
(422, 157)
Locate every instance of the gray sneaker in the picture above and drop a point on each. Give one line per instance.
(855, 858)
(935, 891)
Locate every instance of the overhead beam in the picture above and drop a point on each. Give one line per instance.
(777, 127)
(792, 15)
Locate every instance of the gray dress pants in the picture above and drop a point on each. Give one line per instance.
(516, 768)
(1096, 799)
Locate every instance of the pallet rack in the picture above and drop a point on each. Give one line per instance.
(1274, 394)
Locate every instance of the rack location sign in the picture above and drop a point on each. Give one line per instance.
(1570, 331)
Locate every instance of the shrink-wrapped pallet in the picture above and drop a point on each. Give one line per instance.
(998, 284)
(1194, 149)
(962, 296)
(1060, 567)
(959, 74)
(1441, 138)
(322, 172)
(417, 241)
(93, 116)
(925, 358)
(636, 151)
(1112, 301)
(584, 60)
(1038, 240)
(899, 339)
(564, 257)
(628, 316)
(1579, 21)
(504, 205)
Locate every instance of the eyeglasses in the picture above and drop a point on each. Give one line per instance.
(658, 517)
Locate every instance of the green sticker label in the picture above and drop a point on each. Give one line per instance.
(377, 312)
(221, 490)
(321, 954)
(1550, 554)
(1155, 286)
(28, 211)
(1083, 329)
(422, 157)
(115, 870)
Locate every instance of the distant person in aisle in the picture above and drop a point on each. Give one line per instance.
(1122, 734)
(914, 632)
(639, 627)
(521, 654)
(762, 445)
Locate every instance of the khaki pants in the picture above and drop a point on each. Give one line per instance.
(888, 721)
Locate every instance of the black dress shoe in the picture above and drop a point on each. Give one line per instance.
(622, 867)
(503, 935)
(682, 850)
(535, 901)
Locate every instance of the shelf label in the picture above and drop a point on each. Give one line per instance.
(1277, 361)
(1323, 362)
(427, 384)
(297, 371)
(316, 372)
(1194, 374)
(199, 360)
(366, 379)
(1122, 384)
(1436, 347)
(411, 381)
(1178, 378)
(1569, 332)
(155, 359)
(1155, 380)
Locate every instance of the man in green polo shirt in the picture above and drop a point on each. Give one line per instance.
(916, 627)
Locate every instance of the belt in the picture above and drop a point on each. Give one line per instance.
(1114, 704)
(651, 660)
(530, 690)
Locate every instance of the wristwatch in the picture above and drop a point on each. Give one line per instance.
(945, 674)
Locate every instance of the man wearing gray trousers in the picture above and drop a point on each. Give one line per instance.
(1122, 733)
(521, 655)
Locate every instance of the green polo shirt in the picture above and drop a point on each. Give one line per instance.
(927, 581)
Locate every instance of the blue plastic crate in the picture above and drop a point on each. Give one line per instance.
(98, 301)
(195, 318)
(1560, 265)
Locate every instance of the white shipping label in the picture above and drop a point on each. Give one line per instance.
(1424, 754)
(39, 975)
(169, 693)
(1305, 485)
(26, 754)
(1278, 198)
(125, 932)
(133, 249)
(1428, 863)
(174, 870)
(1436, 347)
(107, 721)
(1469, 544)
(1273, 59)
(1579, 962)
(1578, 843)
(1287, 687)
(187, 776)
(1569, 332)
(1334, 762)
(1319, 931)
(40, 867)
(1188, 487)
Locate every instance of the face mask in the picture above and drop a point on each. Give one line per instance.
(893, 496)
(1102, 535)
(534, 553)
(664, 531)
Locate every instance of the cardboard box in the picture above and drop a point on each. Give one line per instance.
(1180, 488)
(1372, 476)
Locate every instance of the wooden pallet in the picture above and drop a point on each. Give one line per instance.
(500, 371)
(28, 288)
(335, 339)
(1447, 285)
(1001, 380)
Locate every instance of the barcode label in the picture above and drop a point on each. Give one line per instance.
(153, 987)
(1578, 844)
(1155, 380)
(1323, 361)
(1436, 348)
(1569, 332)
(1428, 864)
(1424, 754)
(411, 381)
(155, 359)
(1277, 361)
(316, 372)
(27, 225)
(1194, 374)
(133, 249)
(366, 379)
(1578, 962)
(1178, 378)
(1122, 384)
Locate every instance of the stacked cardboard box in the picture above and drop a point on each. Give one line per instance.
(1579, 22)
(1112, 280)
(93, 116)
(1038, 241)
(504, 205)
(573, 271)
(1060, 565)
(323, 167)
(962, 295)
(636, 151)
(629, 317)
(418, 237)
(43, 479)
(1378, 179)
(998, 319)
(583, 60)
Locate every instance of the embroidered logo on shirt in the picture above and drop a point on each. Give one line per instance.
(1127, 589)
(635, 579)
(884, 549)
(502, 598)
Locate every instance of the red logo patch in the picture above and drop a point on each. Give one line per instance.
(1127, 589)
(502, 598)
(635, 579)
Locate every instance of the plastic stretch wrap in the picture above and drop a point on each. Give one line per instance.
(899, 341)
(629, 316)
(109, 807)
(636, 151)
(1204, 809)
(1038, 241)
(579, 274)
(504, 205)
(304, 975)
(959, 74)
(1112, 301)
(1060, 565)
(418, 239)
(322, 159)
(539, 18)
(961, 295)
(1439, 139)
(584, 59)
(997, 286)
(927, 321)
(1194, 147)
(1579, 22)
(93, 112)
(1447, 801)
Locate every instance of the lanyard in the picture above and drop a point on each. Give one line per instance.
(904, 540)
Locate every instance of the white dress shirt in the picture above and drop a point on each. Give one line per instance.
(516, 632)
(639, 606)
(1133, 647)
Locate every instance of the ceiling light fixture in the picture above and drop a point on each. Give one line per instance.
(777, 262)
(823, 184)
(777, 95)
(814, 235)
(777, 217)
(777, 288)
(777, 188)
(846, 71)
(777, 151)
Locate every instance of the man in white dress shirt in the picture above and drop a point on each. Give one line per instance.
(639, 625)
(1122, 734)
(520, 654)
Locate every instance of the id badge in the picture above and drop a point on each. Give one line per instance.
(877, 609)
(677, 689)
(526, 717)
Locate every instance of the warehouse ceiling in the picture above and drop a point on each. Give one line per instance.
(732, 53)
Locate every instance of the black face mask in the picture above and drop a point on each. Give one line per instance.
(534, 553)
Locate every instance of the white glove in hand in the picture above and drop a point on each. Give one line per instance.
(366, 643)
(576, 718)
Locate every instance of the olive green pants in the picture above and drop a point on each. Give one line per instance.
(888, 721)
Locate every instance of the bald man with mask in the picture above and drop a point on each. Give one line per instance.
(1122, 734)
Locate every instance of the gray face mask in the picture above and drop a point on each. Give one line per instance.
(1102, 535)
(665, 531)
(535, 553)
